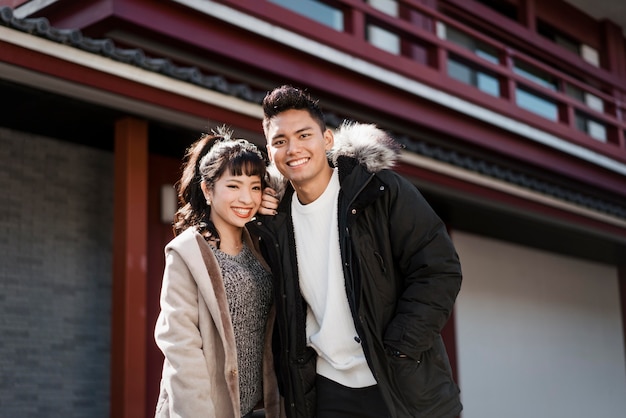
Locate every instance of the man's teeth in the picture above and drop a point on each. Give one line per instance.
(297, 162)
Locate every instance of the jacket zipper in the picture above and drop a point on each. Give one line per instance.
(347, 249)
(285, 357)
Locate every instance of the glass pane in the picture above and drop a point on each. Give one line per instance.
(386, 6)
(596, 130)
(487, 53)
(594, 102)
(534, 74)
(479, 48)
(460, 72)
(383, 39)
(459, 38)
(466, 74)
(315, 10)
(591, 127)
(488, 84)
(536, 104)
(590, 55)
(581, 122)
(567, 43)
(575, 92)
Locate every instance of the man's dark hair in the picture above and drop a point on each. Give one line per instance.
(286, 98)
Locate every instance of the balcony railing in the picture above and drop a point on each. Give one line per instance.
(582, 103)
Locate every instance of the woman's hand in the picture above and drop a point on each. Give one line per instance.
(269, 202)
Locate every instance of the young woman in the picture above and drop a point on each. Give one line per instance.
(216, 296)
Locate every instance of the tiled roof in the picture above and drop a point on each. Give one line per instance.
(106, 47)
(508, 175)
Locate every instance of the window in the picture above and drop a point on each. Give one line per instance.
(379, 37)
(316, 10)
(481, 49)
(591, 127)
(534, 74)
(590, 55)
(546, 30)
(533, 102)
(386, 6)
(592, 101)
(465, 71)
(383, 39)
(586, 52)
(472, 75)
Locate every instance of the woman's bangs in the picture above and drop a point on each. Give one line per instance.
(248, 164)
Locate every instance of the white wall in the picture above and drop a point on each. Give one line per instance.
(539, 334)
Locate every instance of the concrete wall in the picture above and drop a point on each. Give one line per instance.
(539, 334)
(55, 277)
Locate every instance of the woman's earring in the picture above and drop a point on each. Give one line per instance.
(208, 202)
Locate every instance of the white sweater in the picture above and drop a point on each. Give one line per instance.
(330, 329)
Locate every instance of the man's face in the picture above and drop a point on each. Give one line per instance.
(297, 146)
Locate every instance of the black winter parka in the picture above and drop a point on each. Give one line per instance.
(402, 276)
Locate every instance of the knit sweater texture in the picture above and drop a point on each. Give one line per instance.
(249, 293)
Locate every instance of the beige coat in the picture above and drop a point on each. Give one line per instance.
(195, 333)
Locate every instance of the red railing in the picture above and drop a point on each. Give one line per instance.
(424, 56)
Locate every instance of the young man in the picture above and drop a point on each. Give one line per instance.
(365, 273)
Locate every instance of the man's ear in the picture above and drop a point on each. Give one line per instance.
(329, 139)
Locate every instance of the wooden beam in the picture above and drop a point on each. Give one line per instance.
(128, 339)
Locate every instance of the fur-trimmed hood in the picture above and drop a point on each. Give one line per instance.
(369, 145)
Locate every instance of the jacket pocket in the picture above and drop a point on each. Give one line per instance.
(424, 385)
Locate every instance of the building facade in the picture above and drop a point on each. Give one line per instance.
(513, 120)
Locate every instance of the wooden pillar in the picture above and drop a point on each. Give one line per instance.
(614, 49)
(128, 337)
(528, 14)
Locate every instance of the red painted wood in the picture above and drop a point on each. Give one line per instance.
(520, 37)
(84, 76)
(301, 69)
(13, 3)
(128, 339)
(68, 14)
(568, 19)
(247, 50)
(341, 91)
(419, 114)
(613, 49)
(503, 199)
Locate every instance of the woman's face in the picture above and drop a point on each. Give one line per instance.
(234, 200)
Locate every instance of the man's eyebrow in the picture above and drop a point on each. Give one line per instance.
(306, 128)
(299, 131)
(278, 135)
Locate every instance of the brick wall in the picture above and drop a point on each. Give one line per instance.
(56, 217)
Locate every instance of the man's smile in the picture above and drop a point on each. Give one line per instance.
(298, 162)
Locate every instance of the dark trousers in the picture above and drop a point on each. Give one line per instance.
(260, 413)
(337, 401)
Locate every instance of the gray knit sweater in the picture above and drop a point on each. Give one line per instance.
(249, 293)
